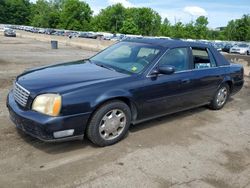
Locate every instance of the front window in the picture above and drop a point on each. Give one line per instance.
(127, 57)
(177, 58)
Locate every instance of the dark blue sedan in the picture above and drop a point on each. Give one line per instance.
(127, 83)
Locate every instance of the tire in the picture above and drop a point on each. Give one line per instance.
(109, 124)
(220, 98)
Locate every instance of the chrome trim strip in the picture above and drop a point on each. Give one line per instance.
(189, 70)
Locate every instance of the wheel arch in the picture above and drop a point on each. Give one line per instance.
(230, 84)
(128, 101)
(116, 96)
(228, 80)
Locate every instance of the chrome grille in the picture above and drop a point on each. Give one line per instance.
(21, 95)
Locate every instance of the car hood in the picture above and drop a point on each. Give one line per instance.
(66, 76)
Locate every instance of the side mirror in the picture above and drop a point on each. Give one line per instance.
(166, 69)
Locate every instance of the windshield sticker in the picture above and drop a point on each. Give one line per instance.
(134, 68)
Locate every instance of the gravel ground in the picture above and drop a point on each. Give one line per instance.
(195, 148)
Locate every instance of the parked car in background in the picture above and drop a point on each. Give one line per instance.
(227, 48)
(118, 38)
(243, 49)
(106, 36)
(82, 34)
(9, 33)
(59, 33)
(91, 35)
(41, 31)
(130, 82)
(218, 46)
(72, 34)
(50, 31)
(34, 30)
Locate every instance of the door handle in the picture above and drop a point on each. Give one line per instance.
(185, 81)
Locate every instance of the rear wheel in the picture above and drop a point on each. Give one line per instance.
(109, 124)
(220, 97)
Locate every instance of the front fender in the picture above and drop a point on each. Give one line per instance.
(109, 95)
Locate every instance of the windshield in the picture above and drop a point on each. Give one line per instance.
(127, 57)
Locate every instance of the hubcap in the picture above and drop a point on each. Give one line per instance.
(222, 96)
(112, 124)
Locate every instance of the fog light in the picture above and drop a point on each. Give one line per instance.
(60, 134)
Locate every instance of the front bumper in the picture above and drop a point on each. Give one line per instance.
(43, 126)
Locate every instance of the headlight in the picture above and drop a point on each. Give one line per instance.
(49, 104)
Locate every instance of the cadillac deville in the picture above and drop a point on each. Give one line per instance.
(130, 82)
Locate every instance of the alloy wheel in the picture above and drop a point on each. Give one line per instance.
(112, 124)
(222, 96)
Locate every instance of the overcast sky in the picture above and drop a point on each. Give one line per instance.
(218, 12)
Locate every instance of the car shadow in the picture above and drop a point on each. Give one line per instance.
(64, 147)
(230, 99)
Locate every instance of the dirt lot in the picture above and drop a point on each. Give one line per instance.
(196, 148)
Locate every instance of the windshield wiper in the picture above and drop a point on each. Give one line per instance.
(105, 66)
(88, 60)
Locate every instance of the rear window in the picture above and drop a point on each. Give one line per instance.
(203, 58)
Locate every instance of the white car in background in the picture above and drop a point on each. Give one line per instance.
(243, 49)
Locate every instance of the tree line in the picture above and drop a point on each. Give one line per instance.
(77, 15)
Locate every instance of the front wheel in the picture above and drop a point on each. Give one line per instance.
(220, 97)
(109, 124)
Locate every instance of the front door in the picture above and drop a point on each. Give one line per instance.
(169, 93)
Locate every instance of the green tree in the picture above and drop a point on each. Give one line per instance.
(239, 29)
(178, 30)
(15, 11)
(110, 19)
(147, 20)
(201, 29)
(230, 30)
(116, 18)
(166, 28)
(242, 28)
(75, 15)
(190, 32)
(2, 11)
(41, 12)
(129, 27)
(213, 35)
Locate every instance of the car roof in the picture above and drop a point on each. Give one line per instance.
(167, 43)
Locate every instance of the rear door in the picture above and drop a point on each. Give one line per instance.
(206, 75)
